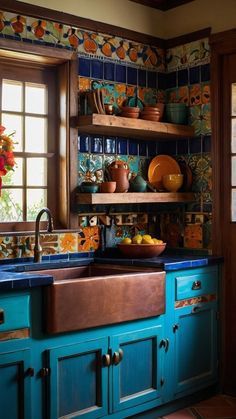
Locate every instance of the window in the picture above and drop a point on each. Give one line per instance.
(24, 109)
(38, 100)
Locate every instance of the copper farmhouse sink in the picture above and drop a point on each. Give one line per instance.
(95, 295)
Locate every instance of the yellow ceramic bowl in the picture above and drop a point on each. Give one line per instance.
(172, 182)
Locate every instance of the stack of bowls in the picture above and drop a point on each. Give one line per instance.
(153, 112)
(130, 111)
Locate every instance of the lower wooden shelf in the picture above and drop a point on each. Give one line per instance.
(134, 197)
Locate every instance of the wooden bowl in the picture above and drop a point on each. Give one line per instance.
(141, 250)
(151, 117)
(108, 187)
(130, 114)
(158, 106)
(130, 109)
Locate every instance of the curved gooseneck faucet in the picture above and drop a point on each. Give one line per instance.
(37, 246)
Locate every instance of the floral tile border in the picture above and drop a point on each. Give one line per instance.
(188, 55)
(86, 43)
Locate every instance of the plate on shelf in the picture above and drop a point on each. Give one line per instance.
(161, 165)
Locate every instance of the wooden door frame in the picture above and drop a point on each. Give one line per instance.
(222, 44)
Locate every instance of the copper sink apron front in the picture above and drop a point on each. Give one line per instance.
(80, 303)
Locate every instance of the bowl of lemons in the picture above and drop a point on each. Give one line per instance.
(140, 246)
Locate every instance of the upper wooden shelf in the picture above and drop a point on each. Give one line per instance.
(133, 197)
(132, 128)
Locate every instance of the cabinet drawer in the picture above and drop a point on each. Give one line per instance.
(194, 285)
(14, 312)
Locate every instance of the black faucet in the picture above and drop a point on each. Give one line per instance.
(37, 245)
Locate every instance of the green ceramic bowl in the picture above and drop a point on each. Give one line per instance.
(89, 187)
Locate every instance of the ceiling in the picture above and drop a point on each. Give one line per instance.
(162, 4)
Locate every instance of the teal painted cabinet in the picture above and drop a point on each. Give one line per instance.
(192, 300)
(79, 380)
(106, 375)
(137, 377)
(196, 352)
(15, 385)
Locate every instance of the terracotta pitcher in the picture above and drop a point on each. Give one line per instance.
(118, 172)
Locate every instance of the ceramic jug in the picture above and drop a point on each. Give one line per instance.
(118, 172)
(138, 184)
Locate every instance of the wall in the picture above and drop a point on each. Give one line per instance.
(126, 71)
(217, 14)
(122, 13)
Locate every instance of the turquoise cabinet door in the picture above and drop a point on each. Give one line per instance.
(196, 346)
(78, 380)
(15, 391)
(137, 374)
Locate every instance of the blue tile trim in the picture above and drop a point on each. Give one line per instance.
(182, 77)
(97, 69)
(132, 75)
(84, 67)
(161, 81)
(133, 148)
(120, 73)
(152, 79)
(83, 143)
(122, 146)
(109, 71)
(109, 145)
(194, 75)
(205, 72)
(171, 80)
(142, 78)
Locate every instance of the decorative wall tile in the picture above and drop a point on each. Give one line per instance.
(68, 242)
(200, 119)
(205, 93)
(89, 239)
(84, 84)
(88, 165)
(147, 96)
(195, 95)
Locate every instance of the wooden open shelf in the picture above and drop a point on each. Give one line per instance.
(97, 124)
(134, 197)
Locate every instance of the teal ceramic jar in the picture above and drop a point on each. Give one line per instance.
(176, 113)
(138, 184)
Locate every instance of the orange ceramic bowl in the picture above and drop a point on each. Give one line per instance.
(108, 187)
(173, 182)
(141, 250)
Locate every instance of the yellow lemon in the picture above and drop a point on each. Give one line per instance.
(146, 240)
(137, 239)
(157, 241)
(147, 237)
(126, 240)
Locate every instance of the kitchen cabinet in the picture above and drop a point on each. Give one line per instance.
(114, 371)
(94, 378)
(192, 298)
(15, 384)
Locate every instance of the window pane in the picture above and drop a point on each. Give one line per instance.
(36, 200)
(35, 98)
(233, 205)
(14, 177)
(233, 99)
(12, 95)
(14, 123)
(37, 172)
(35, 135)
(11, 207)
(233, 171)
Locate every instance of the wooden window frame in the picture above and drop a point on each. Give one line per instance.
(65, 64)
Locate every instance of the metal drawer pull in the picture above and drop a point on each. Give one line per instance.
(2, 319)
(197, 285)
(106, 360)
(117, 357)
(196, 309)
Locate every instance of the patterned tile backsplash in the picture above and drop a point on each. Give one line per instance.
(137, 74)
